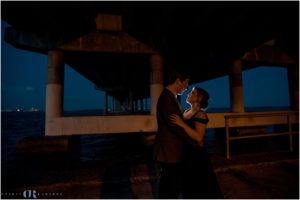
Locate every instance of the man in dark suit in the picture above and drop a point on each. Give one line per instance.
(170, 137)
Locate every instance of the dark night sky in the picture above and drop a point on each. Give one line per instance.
(24, 74)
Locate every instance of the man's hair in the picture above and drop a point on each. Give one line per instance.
(177, 74)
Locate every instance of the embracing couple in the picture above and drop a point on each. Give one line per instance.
(184, 163)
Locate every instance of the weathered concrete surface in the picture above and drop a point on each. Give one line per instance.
(106, 22)
(293, 76)
(260, 181)
(55, 85)
(182, 36)
(257, 175)
(45, 144)
(147, 123)
(101, 124)
(236, 87)
(119, 42)
(156, 80)
(268, 52)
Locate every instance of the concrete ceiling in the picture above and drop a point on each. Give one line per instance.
(202, 38)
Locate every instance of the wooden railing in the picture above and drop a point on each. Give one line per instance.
(243, 120)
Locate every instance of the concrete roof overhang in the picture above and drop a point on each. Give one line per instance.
(202, 38)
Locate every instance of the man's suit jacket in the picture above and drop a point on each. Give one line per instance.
(170, 137)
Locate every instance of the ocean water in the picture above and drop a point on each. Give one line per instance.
(15, 126)
(19, 125)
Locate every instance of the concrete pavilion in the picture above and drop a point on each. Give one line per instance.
(127, 49)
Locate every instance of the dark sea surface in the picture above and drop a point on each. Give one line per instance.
(19, 125)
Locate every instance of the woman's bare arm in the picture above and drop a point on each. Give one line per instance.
(197, 134)
(191, 112)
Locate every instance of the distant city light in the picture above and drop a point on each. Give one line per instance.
(32, 109)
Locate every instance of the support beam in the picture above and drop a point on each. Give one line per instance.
(146, 104)
(268, 52)
(136, 105)
(156, 80)
(147, 123)
(113, 104)
(97, 41)
(55, 86)
(105, 103)
(130, 101)
(293, 76)
(142, 104)
(117, 105)
(105, 22)
(236, 87)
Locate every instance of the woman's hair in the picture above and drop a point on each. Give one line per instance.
(205, 97)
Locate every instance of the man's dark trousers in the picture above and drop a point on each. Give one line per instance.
(170, 180)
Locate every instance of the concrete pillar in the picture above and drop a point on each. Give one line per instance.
(124, 105)
(293, 76)
(112, 104)
(156, 80)
(146, 104)
(136, 105)
(130, 101)
(55, 85)
(236, 87)
(142, 104)
(105, 103)
(117, 105)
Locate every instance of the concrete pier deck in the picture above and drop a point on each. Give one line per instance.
(273, 174)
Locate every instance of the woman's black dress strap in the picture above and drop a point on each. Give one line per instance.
(203, 121)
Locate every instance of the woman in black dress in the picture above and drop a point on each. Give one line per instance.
(199, 179)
